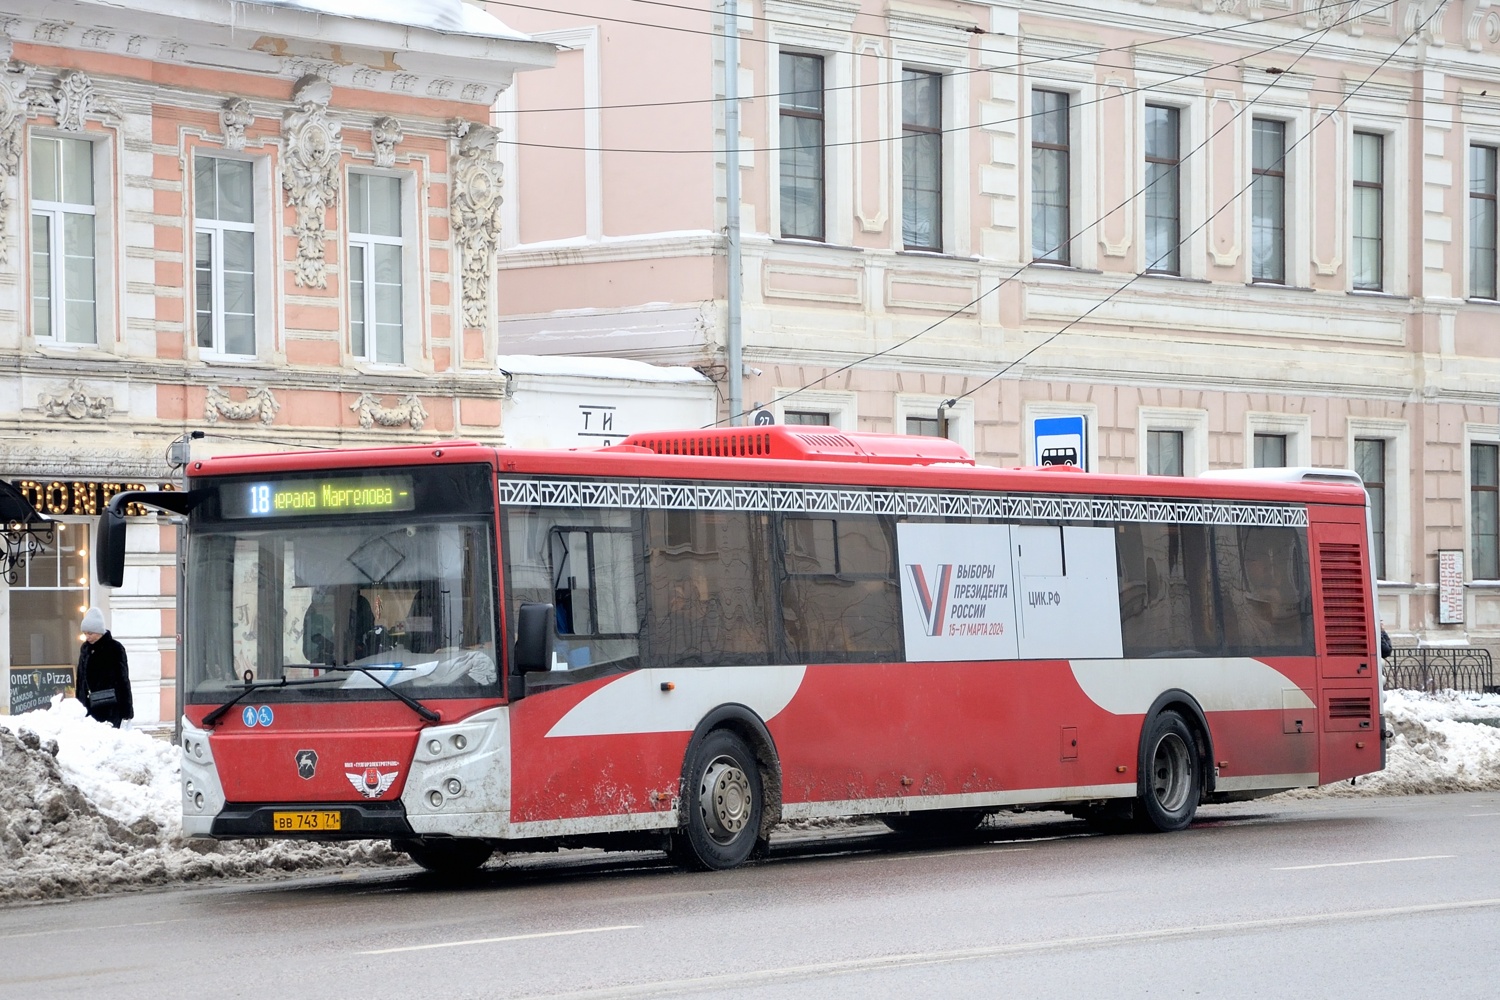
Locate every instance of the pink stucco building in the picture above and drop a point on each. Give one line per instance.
(1225, 234)
(257, 220)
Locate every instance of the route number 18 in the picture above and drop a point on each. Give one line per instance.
(260, 499)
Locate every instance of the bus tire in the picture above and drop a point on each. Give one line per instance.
(1171, 779)
(723, 798)
(447, 857)
(936, 822)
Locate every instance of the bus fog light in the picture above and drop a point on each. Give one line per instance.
(454, 786)
(434, 747)
(188, 788)
(460, 741)
(436, 798)
(198, 801)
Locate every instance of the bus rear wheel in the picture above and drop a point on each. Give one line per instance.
(447, 857)
(1171, 779)
(723, 797)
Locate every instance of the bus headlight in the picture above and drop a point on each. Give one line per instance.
(435, 797)
(454, 786)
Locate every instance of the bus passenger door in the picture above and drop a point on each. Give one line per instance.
(1348, 699)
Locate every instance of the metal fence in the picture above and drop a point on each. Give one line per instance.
(1434, 668)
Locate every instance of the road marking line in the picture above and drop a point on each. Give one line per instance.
(1484, 814)
(746, 980)
(102, 927)
(497, 940)
(1381, 861)
(941, 854)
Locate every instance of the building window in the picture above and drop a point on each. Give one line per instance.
(802, 194)
(1049, 177)
(1369, 211)
(1164, 453)
(1369, 462)
(224, 255)
(925, 427)
(1482, 222)
(921, 160)
(63, 306)
(1270, 451)
(1268, 202)
(1163, 191)
(808, 418)
(375, 268)
(1484, 509)
(48, 599)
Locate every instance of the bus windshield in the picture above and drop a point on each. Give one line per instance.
(410, 601)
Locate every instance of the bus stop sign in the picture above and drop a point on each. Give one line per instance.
(1059, 441)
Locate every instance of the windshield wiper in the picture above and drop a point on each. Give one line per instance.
(218, 713)
(416, 706)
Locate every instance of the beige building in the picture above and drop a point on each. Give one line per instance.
(257, 220)
(1224, 235)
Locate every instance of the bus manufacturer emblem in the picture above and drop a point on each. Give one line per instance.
(307, 763)
(372, 782)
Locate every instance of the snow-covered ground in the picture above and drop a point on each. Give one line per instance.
(87, 809)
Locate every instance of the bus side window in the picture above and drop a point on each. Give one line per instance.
(840, 602)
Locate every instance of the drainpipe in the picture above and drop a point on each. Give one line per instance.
(733, 344)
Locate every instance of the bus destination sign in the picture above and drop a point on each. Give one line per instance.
(304, 497)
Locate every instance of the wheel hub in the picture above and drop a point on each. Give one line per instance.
(1170, 776)
(725, 799)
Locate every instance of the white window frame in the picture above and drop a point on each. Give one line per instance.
(216, 229)
(1396, 205)
(1490, 138)
(1193, 425)
(1296, 427)
(54, 211)
(1397, 437)
(842, 407)
(367, 242)
(960, 416)
(1184, 228)
(1474, 434)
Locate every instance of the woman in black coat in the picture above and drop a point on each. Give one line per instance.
(103, 680)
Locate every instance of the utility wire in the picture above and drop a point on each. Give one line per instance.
(1085, 56)
(1234, 198)
(1077, 235)
(1123, 92)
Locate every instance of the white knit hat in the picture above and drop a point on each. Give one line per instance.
(94, 621)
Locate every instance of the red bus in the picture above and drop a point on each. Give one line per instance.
(682, 640)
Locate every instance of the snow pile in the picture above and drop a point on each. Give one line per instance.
(1444, 742)
(85, 808)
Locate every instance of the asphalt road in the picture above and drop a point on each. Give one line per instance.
(1314, 898)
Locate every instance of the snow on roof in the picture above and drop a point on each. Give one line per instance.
(617, 368)
(452, 16)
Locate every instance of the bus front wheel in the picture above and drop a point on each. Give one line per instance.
(723, 799)
(1171, 779)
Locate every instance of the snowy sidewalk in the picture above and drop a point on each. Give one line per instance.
(87, 809)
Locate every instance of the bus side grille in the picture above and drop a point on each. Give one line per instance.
(1349, 707)
(1346, 622)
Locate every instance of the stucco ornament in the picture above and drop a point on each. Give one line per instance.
(258, 403)
(74, 402)
(408, 411)
(310, 173)
(13, 81)
(476, 216)
(385, 135)
(236, 116)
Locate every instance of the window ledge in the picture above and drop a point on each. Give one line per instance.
(1483, 584)
(1469, 300)
(936, 255)
(794, 241)
(1281, 287)
(1166, 276)
(1374, 293)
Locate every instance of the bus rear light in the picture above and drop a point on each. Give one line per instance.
(460, 741)
(434, 747)
(435, 799)
(198, 801)
(454, 786)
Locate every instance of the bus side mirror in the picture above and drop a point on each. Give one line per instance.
(534, 638)
(109, 548)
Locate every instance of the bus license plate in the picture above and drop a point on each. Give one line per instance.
(297, 822)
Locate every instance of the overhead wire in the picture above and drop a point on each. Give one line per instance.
(1085, 56)
(1077, 235)
(1121, 93)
